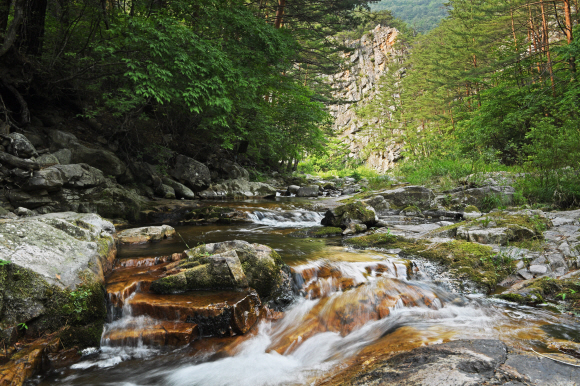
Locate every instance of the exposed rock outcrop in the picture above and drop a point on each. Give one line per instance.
(357, 85)
(238, 189)
(52, 271)
(227, 265)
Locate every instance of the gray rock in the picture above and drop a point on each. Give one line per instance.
(347, 191)
(418, 196)
(542, 371)
(20, 146)
(191, 173)
(556, 261)
(108, 200)
(538, 269)
(49, 179)
(293, 189)
(525, 274)
(484, 236)
(24, 212)
(226, 169)
(308, 191)
(46, 160)
(60, 247)
(477, 196)
(457, 363)
(80, 175)
(148, 175)
(353, 213)
(103, 160)
(6, 214)
(145, 234)
(379, 203)
(181, 191)
(238, 188)
(168, 192)
(64, 156)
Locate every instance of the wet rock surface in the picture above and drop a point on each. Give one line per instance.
(233, 264)
(463, 362)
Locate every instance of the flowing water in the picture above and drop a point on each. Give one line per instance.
(352, 304)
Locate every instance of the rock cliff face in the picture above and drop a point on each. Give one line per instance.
(357, 85)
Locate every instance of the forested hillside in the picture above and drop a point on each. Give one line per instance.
(495, 86)
(422, 15)
(186, 75)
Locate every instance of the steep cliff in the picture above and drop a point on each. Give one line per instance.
(356, 86)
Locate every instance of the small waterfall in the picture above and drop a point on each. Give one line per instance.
(286, 219)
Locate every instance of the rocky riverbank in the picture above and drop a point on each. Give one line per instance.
(61, 281)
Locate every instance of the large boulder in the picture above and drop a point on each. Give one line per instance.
(380, 205)
(419, 196)
(238, 189)
(49, 179)
(191, 173)
(47, 160)
(103, 160)
(222, 168)
(20, 146)
(147, 174)
(181, 191)
(486, 196)
(308, 191)
(52, 271)
(80, 175)
(227, 265)
(353, 213)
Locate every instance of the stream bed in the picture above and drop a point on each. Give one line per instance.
(351, 305)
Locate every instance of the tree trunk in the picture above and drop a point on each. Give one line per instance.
(4, 13)
(32, 29)
(279, 14)
(12, 33)
(569, 27)
(546, 37)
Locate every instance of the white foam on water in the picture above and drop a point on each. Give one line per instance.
(286, 219)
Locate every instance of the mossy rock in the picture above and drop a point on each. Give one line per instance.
(46, 308)
(255, 265)
(353, 212)
(376, 240)
(471, 209)
(565, 292)
(475, 262)
(170, 284)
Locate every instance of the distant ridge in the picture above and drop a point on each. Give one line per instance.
(423, 15)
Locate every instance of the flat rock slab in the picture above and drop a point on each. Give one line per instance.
(157, 334)
(461, 363)
(216, 313)
(145, 235)
(544, 371)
